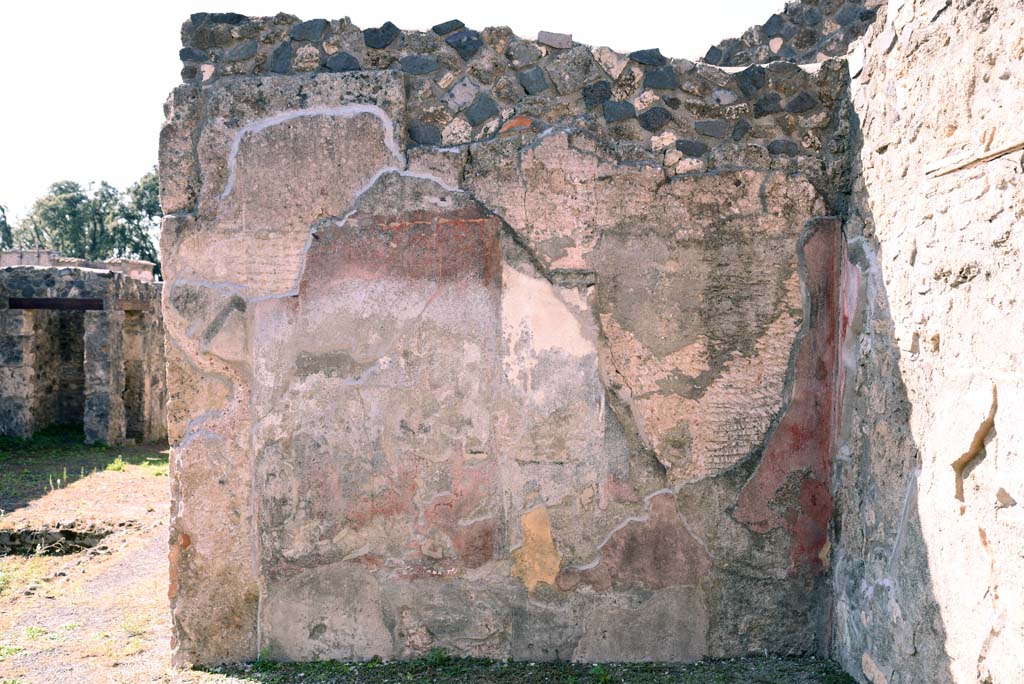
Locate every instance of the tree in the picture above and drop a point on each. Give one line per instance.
(139, 218)
(96, 223)
(6, 233)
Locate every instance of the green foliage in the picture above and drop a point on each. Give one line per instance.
(444, 668)
(32, 467)
(117, 465)
(6, 232)
(7, 650)
(95, 222)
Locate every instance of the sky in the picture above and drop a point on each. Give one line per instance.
(82, 83)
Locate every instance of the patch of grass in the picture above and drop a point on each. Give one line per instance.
(33, 632)
(56, 457)
(132, 625)
(7, 650)
(156, 466)
(18, 572)
(439, 667)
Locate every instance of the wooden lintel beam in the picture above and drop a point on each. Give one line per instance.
(56, 303)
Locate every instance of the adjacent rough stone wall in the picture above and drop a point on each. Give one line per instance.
(928, 571)
(68, 367)
(517, 349)
(71, 383)
(807, 31)
(17, 376)
(46, 364)
(133, 268)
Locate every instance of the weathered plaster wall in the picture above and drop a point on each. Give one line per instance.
(463, 353)
(928, 585)
(68, 367)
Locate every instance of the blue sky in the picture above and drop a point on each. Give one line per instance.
(82, 84)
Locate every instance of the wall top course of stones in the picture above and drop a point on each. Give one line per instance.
(464, 86)
(805, 32)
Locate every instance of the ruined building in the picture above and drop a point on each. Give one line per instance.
(529, 349)
(81, 345)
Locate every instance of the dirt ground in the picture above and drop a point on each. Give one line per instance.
(100, 615)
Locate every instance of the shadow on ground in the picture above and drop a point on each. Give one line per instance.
(56, 457)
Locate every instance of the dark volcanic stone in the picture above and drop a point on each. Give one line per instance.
(239, 52)
(533, 80)
(343, 61)
(784, 69)
(190, 54)
(231, 18)
(786, 147)
(741, 128)
(775, 26)
(482, 109)
(787, 52)
(448, 27)
(380, 38)
(618, 111)
(804, 15)
(424, 134)
(418, 64)
(672, 102)
(312, 30)
(715, 128)
(804, 39)
(652, 57)
(466, 43)
(769, 104)
(281, 58)
(654, 119)
(714, 56)
(188, 72)
(750, 80)
(691, 148)
(596, 93)
(661, 78)
(848, 15)
(522, 53)
(803, 102)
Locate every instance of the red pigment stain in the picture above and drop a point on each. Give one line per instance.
(800, 448)
(394, 499)
(438, 247)
(622, 492)
(652, 553)
(472, 486)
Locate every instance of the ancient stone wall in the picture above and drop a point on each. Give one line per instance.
(513, 348)
(46, 362)
(929, 473)
(805, 32)
(62, 361)
(133, 268)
